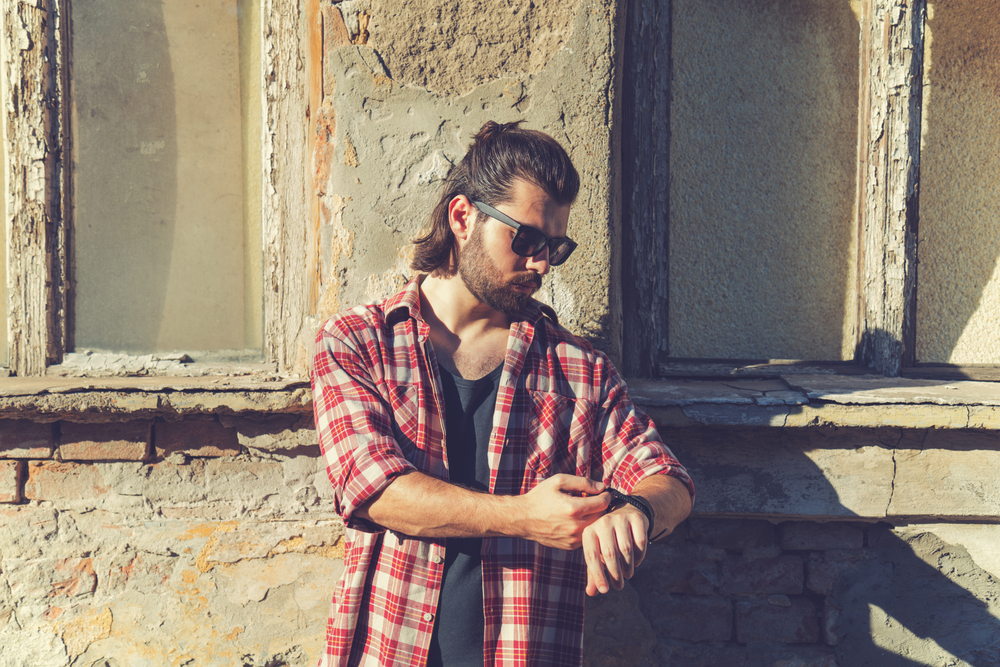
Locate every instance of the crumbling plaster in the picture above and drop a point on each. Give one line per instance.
(396, 117)
(226, 560)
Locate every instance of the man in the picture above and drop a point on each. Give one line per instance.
(472, 442)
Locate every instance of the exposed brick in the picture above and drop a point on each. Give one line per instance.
(831, 623)
(195, 438)
(759, 655)
(693, 618)
(688, 568)
(822, 577)
(802, 536)
(761, 621)
(54, 480)
(120, 441)
(733, 533)
(782, 575)
(677, 537)
(11, 474)
(23, 439)
(683, 654)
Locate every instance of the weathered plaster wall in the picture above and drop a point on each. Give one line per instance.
(209, 541)
(405, 85)
(762, 172)
(958, 292)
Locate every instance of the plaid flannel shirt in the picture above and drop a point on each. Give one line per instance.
(561, 408)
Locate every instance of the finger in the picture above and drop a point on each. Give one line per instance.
(612, 559)
(639, 537)
(595, 566)
(627, 549)
(591, 586)
(577, 485)
(592, 506)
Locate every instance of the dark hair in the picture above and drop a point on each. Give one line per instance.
(499, 155)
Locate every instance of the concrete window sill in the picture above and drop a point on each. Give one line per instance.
(798, 400)
(121, 398)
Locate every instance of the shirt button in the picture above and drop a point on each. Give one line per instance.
(437, 559)
(428, 616)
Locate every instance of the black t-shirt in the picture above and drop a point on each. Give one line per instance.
(457, 640)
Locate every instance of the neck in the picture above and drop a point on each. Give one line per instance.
(446, 302)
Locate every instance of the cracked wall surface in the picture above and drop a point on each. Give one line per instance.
(217, 545)
(209, 538)
(397, 113)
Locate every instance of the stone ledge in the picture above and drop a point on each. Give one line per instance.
(114, 398)
(821, 400)
(800, 400)
(855, 474)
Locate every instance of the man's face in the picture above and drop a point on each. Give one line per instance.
(491, 271)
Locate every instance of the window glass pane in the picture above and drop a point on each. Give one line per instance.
(166, 252)
(3, 205)
(958, 290)
(762, 165)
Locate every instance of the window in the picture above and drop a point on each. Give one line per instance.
(164, 254)
(958, 297)
(170, 183)
(777, 208)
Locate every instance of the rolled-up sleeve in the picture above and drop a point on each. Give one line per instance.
(354, 423)
(631, 448)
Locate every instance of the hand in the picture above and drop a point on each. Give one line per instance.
(614, 546)
(557, 511)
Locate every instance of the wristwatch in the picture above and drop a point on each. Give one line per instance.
(637, 502)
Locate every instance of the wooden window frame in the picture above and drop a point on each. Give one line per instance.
(36, 39)
(887, 215)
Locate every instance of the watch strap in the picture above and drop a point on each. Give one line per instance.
(637, 502)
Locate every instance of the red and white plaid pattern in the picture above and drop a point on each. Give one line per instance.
(561, 408)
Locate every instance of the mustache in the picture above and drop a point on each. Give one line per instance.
(532, 279)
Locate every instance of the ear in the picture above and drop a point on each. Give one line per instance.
(461, 216)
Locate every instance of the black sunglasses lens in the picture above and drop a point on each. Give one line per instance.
(561, 252)
(528, 242)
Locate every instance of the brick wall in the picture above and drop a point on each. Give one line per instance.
(208, 541)
(212, 540)
(756, 593)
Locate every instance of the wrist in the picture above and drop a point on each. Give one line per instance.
(638, 503)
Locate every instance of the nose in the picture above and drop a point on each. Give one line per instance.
(539, 263)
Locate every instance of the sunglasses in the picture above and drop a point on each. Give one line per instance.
(529, 241)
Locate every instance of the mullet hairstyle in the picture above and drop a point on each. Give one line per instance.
(499, 155)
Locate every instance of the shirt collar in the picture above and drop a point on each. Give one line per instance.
(404, 303)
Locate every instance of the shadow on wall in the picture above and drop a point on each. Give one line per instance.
(906, 598)
(901, 592)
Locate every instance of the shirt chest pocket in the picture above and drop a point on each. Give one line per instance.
(409, 424)
(559, 435)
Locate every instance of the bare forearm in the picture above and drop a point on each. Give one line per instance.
(419, 505)
(554, 513)
(670, 499)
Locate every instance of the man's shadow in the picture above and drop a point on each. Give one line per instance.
(900, 587)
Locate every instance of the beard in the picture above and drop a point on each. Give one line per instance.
(483, 279)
